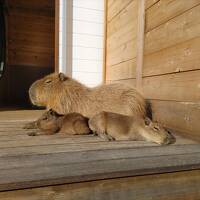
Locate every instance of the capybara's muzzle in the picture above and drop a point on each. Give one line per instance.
(32, 94)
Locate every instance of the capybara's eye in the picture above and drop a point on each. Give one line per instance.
(48, 81)
(156, 128)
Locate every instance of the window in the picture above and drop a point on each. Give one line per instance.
(81, 40)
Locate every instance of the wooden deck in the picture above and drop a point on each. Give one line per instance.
(35, 161)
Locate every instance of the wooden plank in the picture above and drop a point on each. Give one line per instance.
(116, 7)
(15, 115)
(24, 161)
(94, 170)
(173, 186)
(180, 116)
(46, 39)
(149, 3)
(130, 82)
(123, 53)
(30, 26)
(181, 28)
(56, 45)
(124, 70)
(178, 58)
(178, 87)
(43, 160)
(29, 58)
(34, 12)
(74, 147)
(35, 48)
(124, 27)
(105, 40)
(80, 146)
(166, 10)
(16, 16)
(140, 43)
(45, 4)
(50, 140)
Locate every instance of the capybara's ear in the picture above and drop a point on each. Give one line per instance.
(62, 77)
(147, 121)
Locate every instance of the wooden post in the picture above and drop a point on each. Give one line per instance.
(140, 43)
(57, 11)
(105, 40)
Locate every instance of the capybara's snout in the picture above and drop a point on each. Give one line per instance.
(32, 93)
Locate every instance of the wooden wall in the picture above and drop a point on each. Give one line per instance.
(121, 40)
(30, 45)
(171, 57)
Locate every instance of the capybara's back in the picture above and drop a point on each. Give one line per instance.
(65, 95)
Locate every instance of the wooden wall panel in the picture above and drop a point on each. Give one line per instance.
(179, 29)
(130, 82)
(124, 70)
(178, 58)
(180, 116)
(123, 53)
(115, 7)
(174, 87)
(149, 3)
(165, 10)
(174, 186)
(121, 27)
(171, 64)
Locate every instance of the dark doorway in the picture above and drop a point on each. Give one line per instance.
(30, 48)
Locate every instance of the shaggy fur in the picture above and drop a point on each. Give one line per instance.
(113, 126)
(66, 95)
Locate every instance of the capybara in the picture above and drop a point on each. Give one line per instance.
(66, 95)
(113, 126)
(71, 124)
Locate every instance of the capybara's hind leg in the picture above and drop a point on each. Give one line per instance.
(98, 126)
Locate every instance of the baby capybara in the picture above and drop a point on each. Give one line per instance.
(71, 124)
(113, 126)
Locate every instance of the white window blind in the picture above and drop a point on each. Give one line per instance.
(86, 41)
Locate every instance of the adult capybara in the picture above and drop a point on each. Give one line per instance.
(71, 124)
(66, 95)
(113, 126)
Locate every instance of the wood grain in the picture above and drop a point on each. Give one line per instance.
(140, 43)
(179, 116)
(165, 10)
(178, 58)
(173, 186)
(123, 29)
(149, 3)
(124, 70)
(180, 29)
(77, 172)
(115, 7)
(183, 86)
(130, 82)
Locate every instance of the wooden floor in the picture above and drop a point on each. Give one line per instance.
(35, 161)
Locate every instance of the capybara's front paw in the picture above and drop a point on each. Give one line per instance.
(30, 125)
(32, 134)
(106, 137)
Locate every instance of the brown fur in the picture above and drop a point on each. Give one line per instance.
(113, 126)
(65, 95)
(71, 124)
